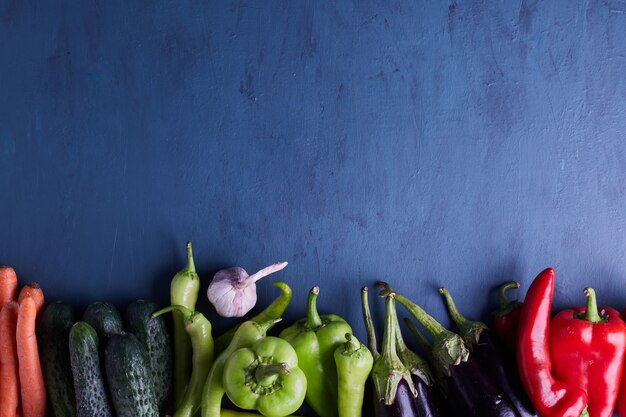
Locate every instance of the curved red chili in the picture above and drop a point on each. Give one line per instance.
(551, 397)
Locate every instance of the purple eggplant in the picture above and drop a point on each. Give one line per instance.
(450, 355)
(394, 391)
(492, 356)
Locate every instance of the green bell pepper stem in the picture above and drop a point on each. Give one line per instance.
(246, 335)
(369, 325)
(265, 377)
(313, 320)
(199, 330)
(470, 330)
(354, 363)
(272, 312)
(265, 374)
(315, 339)
(388, 370)
(184, 290)
(448, 347)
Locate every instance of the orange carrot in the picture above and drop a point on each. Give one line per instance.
(34, 291)
(31, 377)
(8, 285)
(9, 377)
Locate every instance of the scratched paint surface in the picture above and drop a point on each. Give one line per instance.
(426, 143)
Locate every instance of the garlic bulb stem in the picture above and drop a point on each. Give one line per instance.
(265, 272)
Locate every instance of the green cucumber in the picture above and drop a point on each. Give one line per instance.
(89, 383)
(53, 335)
(153, 335)
(128, 374)
(105, 318)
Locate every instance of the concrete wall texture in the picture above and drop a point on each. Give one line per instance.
(428, 143)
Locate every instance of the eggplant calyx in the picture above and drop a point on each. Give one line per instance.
(449, 350)
(388, 370)
(470, 330)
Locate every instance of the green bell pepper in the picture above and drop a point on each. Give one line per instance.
(265, 377)
(246, 335)
(315, 339)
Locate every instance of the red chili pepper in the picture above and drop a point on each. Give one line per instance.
(551, 397)
(506, 317)
(587, 349)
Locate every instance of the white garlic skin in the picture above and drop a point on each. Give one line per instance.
(231, 293)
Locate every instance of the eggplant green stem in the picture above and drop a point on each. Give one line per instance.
(430, 324)
(389, 370)
(265, 374)
(419, 336)
(191, 266)
(470, 330)
(448, 347)
(369, 325)
(591, 314)
(313, 319)
(416, 365)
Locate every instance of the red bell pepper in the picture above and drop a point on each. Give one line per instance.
(506, 317)
(620, 406)
(587, 349)
(551, 397)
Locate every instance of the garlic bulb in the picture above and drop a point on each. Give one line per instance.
(233, 293)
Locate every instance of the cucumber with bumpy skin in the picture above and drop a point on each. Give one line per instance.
(53, 335)
(128, 375)
(105, 318)
(152, 333)
(89, 383)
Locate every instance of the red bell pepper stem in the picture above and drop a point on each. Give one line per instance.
(587, 349)
(506, 317)
(551, 397)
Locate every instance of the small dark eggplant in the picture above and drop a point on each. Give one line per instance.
(394, 391)
(493, 357)
(452, 358)
(426, 402)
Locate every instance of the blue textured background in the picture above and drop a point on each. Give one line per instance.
(427, 143)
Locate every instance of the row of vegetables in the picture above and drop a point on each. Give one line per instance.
(112, 364)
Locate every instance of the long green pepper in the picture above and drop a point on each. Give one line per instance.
(315, 339)
(246, 335)
(354, 364)
(184, 290)
(272, 312)
(199, 330)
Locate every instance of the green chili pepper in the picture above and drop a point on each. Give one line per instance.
(315, 339)
(265, 377)
(354, 364)
(183, 291)
(272, 312)
(248, 333)
(199, 330)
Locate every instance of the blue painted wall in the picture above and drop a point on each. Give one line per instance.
(427, 143)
